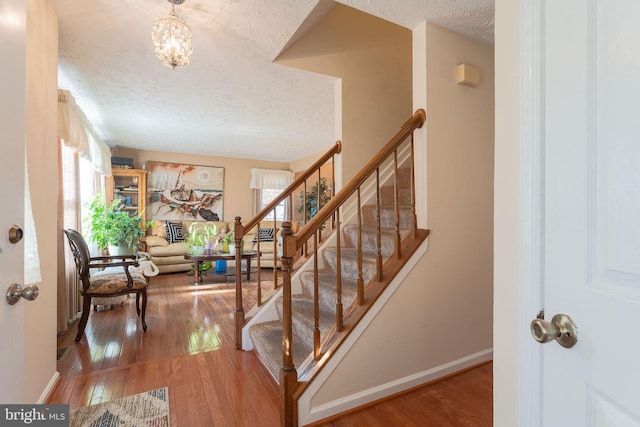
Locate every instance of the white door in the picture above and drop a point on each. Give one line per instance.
(12, 145)
(591, 223)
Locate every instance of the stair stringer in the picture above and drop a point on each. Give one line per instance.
(307, 412)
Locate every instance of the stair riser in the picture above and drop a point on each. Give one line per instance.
(349, 265)
(327, 295)
(369, 240)
(387, 217)
(303, 323)
(387, 195)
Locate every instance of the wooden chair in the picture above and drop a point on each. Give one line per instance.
(112, 282)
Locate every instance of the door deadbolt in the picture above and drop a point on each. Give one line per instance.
(15, 234)
(561, 328)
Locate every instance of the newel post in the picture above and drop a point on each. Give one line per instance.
(238, 233)
(288, 374)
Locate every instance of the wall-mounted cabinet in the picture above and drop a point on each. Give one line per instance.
(130, 187)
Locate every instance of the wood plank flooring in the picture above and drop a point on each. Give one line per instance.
(189, 347)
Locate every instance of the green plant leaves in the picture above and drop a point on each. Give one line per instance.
(109, 225)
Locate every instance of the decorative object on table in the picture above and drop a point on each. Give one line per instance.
(232, 247)
(227, 240)
(221, 266)
(182, 192)
(172, 39)
(143, 409)
(112, 227)
(312, 201)
(199, 238)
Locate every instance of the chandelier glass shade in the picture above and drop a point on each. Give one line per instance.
(172, 39)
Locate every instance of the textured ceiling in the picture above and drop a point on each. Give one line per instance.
(231, 100)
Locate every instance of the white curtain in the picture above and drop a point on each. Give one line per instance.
(270, 179)
(77, 133)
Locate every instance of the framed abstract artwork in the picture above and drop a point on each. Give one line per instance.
(184, 192)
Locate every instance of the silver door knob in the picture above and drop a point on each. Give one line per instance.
(15, 291)
(561, 328)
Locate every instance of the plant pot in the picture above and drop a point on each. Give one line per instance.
(196, 250)
(232, 248)
(121, 249)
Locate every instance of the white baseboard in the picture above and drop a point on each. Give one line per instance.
(371, 395)
(52, 383)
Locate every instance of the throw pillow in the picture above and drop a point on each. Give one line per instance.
(265, 234)
(175, 232)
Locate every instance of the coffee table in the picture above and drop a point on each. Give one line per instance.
(216, 256)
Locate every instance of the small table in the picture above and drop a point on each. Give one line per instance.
(198, 259)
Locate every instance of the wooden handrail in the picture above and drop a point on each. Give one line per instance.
(336, 149)
(415, 122)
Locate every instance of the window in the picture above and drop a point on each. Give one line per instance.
(266, 196)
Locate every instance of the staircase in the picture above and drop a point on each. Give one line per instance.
(267, 336)
(352, 248)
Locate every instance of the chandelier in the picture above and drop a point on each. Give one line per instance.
(172, 39)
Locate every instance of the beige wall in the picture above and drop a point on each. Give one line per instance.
(237, 194)
(373, 59)
(442, 312)
(41, 144)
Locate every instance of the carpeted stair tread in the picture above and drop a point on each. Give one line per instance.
(327, 283)
(267, 343)
(303, 320)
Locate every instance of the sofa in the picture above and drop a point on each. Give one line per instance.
(169, 256)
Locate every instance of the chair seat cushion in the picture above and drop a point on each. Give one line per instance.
(113, 283)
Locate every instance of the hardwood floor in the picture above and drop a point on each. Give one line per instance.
(189, 347)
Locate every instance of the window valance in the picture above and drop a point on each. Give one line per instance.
(77, 133)
(271, 179)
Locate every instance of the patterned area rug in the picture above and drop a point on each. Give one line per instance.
(150, 409)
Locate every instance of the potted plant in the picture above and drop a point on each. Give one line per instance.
(112, 228)
(227, 241)
(199, 238)
(314, 199)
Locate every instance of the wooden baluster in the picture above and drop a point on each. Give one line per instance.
(238, 232)
(288, 373)
(414, 217)
(378, 229)
(339, 318)
(304, 217)
(360, 284)
(290, 207)
(396, 203)
(259, 290)
(275, 251)
(333, 187)
(316, 301)
(319, 202)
